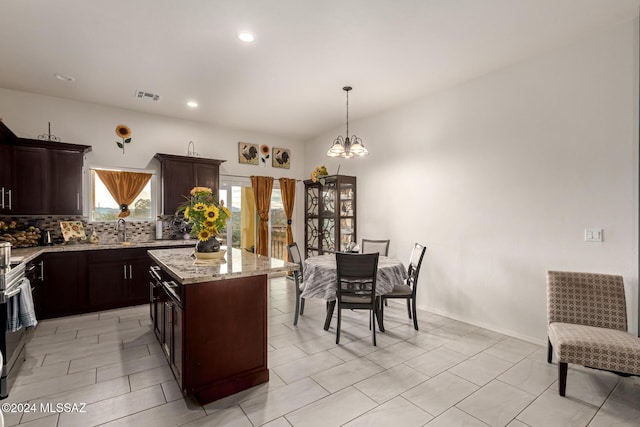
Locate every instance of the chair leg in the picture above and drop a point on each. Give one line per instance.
(301, 306)
(379, 316)
(373, 323)
(549, 351)
(562, 378)
(415, 315)
(295, 316)
(330, 306)
(338, 326)
(382, 308)
(409, 307)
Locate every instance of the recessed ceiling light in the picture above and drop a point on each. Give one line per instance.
(246, 36)
(192, 104)
(65, 78)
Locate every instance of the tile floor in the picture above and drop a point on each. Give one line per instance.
(448, 374)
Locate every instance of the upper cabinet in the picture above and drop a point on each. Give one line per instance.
(180, 174)
(40, 177)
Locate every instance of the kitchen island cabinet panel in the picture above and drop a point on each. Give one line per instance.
(222, 348)
(234, 318)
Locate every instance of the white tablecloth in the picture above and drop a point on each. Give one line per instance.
(320, 276)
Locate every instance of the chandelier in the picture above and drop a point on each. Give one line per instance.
(349, 146)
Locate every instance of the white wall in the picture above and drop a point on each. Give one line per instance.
(500, 176)
(27, 115)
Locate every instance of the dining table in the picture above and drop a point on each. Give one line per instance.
(320, 280)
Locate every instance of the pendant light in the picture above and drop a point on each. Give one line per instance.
(349, 146)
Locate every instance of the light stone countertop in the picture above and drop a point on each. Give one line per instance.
(34, 252)
(181, 265)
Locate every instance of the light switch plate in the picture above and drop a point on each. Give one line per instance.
(593, 235)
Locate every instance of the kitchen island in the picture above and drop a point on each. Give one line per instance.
(211, 319)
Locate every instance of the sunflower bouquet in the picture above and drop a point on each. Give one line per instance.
(206, 216)
(319, 173)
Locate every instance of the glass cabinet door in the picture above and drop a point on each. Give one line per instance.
(347, 216)
(330, 215)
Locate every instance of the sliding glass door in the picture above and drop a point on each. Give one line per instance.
(237, 194)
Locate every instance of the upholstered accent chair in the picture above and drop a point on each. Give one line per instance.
(408, 289)
(369, 246)
(298, 277)
(587, 324)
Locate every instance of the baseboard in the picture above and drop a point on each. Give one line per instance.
(503, 331)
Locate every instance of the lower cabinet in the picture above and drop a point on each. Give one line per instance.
(82, 281)
(117, 278)
(172, 336)
(214, 334)
(167, 320)
(63, 288)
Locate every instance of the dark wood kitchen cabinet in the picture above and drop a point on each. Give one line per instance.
(31, 190)
(180, 174)
(40, 177)
(6, 138)
(66, 182)
(167, 318)
(117, 278)
(63, 288)
(5, 178)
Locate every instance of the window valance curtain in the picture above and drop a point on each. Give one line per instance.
(288, 191)
(124, 187)
(262, 186)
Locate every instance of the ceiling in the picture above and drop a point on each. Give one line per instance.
(289, 81)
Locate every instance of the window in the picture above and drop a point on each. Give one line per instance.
(105, 208)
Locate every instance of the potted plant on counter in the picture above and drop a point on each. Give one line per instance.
(207, 218)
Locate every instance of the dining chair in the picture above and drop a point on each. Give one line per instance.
(298, 277)
(356, 286)
(369, 246)
(408, 289)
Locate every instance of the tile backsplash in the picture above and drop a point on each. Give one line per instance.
(137, 231)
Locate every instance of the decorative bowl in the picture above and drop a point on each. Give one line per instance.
(210, 255)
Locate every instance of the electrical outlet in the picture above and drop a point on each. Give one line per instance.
(593, 235)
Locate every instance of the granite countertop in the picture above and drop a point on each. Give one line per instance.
(181, 265)
(34, 252)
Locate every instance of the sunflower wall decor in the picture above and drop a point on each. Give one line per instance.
(123, 132)
(264, 151)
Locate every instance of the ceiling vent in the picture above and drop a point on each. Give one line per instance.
(146, 95)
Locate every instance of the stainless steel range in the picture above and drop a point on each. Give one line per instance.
(11, 343)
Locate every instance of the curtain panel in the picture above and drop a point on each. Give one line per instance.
(124, 187)
(288, 191)
(262, 186)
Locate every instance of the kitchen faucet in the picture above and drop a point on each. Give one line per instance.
(124, 229)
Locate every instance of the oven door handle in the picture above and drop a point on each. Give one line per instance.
(12, 292)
